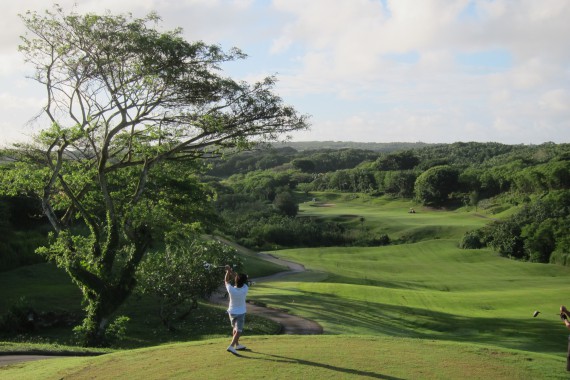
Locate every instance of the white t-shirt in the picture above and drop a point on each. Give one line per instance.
(237, 299)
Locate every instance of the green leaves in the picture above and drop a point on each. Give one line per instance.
(126, 104)
(433, 186)
(181, 275)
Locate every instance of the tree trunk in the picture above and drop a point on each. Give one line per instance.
(105, 298)
(100, 310)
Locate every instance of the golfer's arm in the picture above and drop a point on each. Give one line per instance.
(227, 277)
(567, 324)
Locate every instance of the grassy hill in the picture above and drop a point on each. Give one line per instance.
(430, 289)
(294, 357)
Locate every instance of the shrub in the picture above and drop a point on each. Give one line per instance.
(180, 276)
(471, 240)
(19, 319)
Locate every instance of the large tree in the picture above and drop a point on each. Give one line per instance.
(433, 186)
(122, 100)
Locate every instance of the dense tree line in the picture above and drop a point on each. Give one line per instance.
(256, 190)
(439, 175)
(538, 232)
(485, 168)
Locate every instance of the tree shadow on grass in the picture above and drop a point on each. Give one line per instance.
(284, 359)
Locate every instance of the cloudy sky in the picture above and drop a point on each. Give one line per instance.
(366, 70)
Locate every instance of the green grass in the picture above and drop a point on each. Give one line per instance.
(389, 216)
(425, 310)
(42, 285)
(286, 357)
(430, 290)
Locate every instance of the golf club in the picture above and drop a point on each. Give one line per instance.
(536, 312)
(209, 266)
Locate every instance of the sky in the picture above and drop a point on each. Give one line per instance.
(434, 71)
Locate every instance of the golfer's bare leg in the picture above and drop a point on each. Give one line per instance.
(235, 340)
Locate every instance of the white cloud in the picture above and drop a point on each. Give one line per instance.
(557, 100)
(376, 70)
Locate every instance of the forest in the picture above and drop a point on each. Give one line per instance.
(254, 195)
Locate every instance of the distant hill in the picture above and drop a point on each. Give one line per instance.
(376, 147)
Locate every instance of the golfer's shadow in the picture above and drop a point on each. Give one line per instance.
(284, 359)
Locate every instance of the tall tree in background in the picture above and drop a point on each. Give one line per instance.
(123, 99)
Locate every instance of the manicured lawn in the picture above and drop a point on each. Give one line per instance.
(431, 289)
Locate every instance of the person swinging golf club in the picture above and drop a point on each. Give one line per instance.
(237, 308)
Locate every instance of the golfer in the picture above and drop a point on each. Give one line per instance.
(236, 309)
(564, 316)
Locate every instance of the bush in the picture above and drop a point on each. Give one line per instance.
(471, 240)
(19, 319)
(180, 276)
(117, 330)
(560, 258)
(368, 240)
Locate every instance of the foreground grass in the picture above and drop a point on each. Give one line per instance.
(285, 357)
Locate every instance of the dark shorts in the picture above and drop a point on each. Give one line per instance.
(237, 321)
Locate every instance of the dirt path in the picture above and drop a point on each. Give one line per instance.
(290, 324)
(13, 359)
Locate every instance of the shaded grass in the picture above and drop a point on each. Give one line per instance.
(42, 285)
(286, 357)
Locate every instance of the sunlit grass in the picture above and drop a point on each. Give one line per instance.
(431, 289)
(294, 357)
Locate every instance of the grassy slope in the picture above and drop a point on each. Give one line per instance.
(286, 357)
(430, 289)
(390, 216)
(427, 290)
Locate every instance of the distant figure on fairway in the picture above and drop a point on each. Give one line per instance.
(237, 308)
(564, 316)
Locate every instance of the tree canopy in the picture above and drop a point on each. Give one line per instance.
(123, 100)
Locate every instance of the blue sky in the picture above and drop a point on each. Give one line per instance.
(365, 70)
